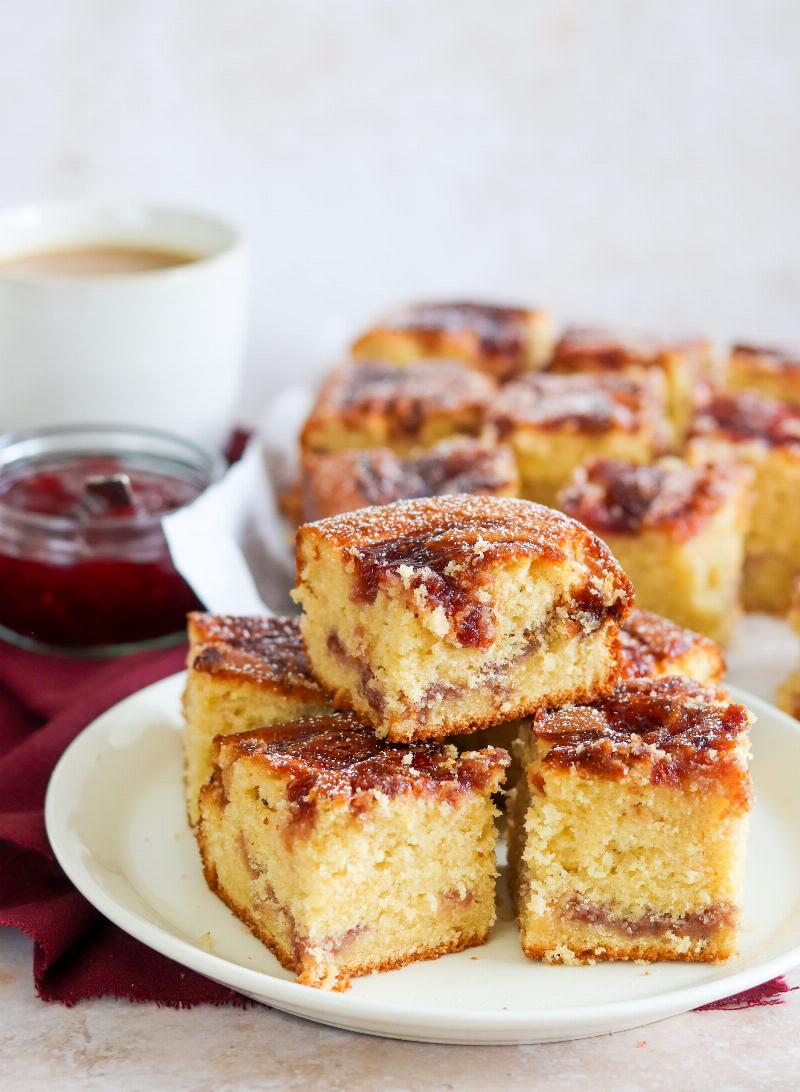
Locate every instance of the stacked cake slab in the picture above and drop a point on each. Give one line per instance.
(343, 770)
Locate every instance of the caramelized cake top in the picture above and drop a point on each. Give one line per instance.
(338, 757)
(447, 547)
(345, 480)
(267, 650)
(495, 334)
(743, 416)
(769, 360)
(499, 330)
(405, 397)
(684, 731)
(650, 643)
(615, 496)
(601, 349)
(587, 403)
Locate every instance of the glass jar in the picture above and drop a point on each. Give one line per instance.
(84, 564)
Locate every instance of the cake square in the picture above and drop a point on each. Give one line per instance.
(653, 647)
(345, 854)
(442, 615)
(343, 481)
(628, 828)
(244, 672)
(770, 371)
(499, 340)
(556, 422)
(682, 364)
(764, 433)
(677, 530)
(379, 405)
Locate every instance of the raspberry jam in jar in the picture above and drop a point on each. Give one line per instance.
(84, 564)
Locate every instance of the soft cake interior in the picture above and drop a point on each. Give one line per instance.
(355, 890)
(772, 545)
(694, 582)
(546, 457)
(626, 869)
(392, 661)
(219, 705)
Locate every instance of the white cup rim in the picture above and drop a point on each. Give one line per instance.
(67, 224)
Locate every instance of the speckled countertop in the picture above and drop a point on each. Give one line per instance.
(112, 1044)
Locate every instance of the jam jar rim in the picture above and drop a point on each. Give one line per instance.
(204, 460)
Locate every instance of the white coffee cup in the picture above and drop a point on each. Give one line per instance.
(161, 347)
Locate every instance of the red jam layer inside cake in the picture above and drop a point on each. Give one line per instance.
(748, 416)
(684, 730)
(451, 562)
(699, 926)
(584, 402)
(619, 497)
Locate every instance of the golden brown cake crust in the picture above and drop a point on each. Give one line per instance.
(739, 417)
(587, 403)
(494, 335)
(769, 360)
(684, 731)
(343, 481)
(601, 349)
(649, 642)
(403, 398)
(615, 496)
(338, 757)
(450, 545)
(265, 650)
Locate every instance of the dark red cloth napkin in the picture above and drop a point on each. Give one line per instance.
(44, 702)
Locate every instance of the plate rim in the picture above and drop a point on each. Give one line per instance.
(294, 997)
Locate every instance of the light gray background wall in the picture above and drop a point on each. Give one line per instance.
(636, 161)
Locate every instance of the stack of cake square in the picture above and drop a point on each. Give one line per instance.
(338, 819)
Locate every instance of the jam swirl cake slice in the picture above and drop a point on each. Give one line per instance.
(345, 854)
(653, 646)
(244, 672)
(499, 340)
(443, 615)
(342, 481)
(765, 434)
(682, 364)
(555, 423)
(770, 371)
(405, 409)
(678, 531)
(628, 826)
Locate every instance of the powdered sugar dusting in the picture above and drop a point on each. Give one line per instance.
(591, 402)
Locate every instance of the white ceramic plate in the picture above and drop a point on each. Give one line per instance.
(115, 818)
